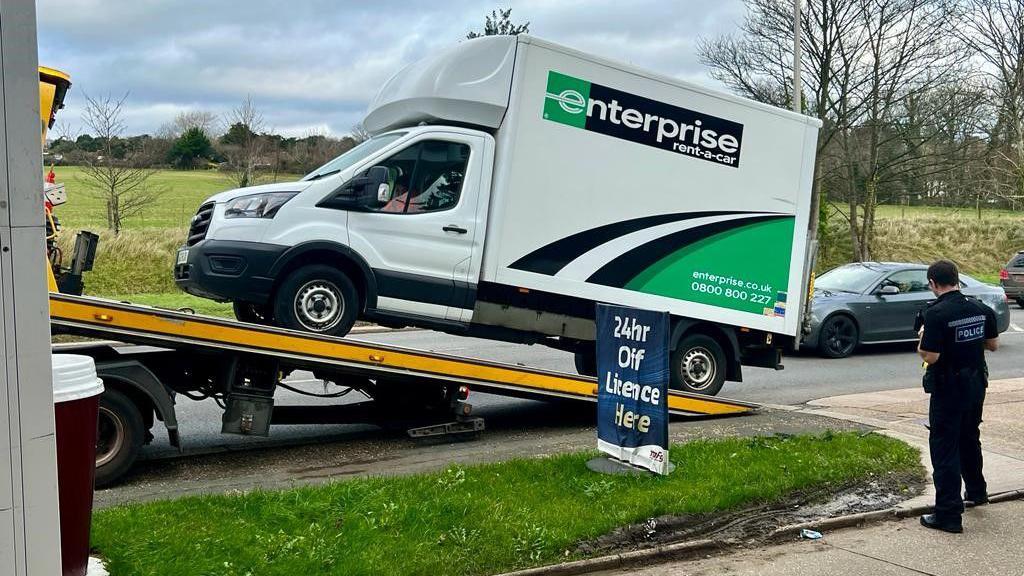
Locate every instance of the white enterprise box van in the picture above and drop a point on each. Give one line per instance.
(510, 184)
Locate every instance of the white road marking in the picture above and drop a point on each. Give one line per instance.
(1016, 328)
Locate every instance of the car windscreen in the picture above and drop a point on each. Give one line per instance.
(1016, 262)
(855, 279)
(354, 155)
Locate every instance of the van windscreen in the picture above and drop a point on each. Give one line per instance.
(354, 155)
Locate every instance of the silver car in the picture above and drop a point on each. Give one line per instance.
(878, 302)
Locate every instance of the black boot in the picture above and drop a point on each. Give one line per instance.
(933, 522)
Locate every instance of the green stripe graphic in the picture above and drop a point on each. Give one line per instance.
(744, 269)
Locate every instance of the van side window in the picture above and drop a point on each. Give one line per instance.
(425, 177)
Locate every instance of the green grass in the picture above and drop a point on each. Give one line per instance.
(979, 247)
(133, 262)
(474, 520)
(890, 212)
(179, 300)
(180, 192)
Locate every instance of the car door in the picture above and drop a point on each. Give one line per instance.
(419, 237)
(894, 314)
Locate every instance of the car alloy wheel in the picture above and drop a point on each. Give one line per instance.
(839, 336)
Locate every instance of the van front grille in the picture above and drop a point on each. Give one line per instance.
(200, 224)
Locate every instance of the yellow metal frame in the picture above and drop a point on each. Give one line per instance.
(176, 329)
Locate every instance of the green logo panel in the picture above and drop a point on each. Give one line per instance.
(566, 98)
(745, 269)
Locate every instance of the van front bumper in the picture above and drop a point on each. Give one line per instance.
(228, 270)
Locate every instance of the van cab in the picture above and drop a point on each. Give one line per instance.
(394, 227)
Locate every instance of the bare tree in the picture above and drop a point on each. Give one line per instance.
(358, 133)
(868, 65)
(202, 119)
(994, 31)
(121, 183)
(758, 63)
(244, 144)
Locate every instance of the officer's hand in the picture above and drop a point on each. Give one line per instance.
(920, 333)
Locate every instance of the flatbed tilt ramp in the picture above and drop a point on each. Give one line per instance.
(172, 329)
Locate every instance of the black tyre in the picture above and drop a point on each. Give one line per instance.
(251, 313)
(119, 436)
(698, 365)
(1020, 302)
(586, 361)
(318, 299)
(839, 337)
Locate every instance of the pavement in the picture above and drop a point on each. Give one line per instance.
(992, 542)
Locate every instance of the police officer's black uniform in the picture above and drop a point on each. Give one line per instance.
(956, 327)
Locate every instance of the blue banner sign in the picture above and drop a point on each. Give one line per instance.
(632, 378)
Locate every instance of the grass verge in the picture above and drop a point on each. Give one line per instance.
(179, 300)
(474, 520)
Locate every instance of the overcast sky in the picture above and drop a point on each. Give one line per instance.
(312, 65)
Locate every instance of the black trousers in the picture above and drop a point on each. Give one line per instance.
(955, 446)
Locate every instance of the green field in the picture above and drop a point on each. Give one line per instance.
(179, 194)
(139, 261)
(481, 519)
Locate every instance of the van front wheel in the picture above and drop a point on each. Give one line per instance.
(318, 299)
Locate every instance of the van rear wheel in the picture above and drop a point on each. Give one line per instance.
(698, 365)
(318, 299)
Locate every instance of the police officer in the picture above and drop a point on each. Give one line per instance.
(957, 331)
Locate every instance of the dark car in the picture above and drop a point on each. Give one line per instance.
(1012, 278)
(878, 302)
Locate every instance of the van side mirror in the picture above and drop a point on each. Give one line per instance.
(366, 191)
(889, 290)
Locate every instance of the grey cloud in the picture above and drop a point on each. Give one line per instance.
(315, 64)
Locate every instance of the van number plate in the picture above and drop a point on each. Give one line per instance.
(182, 256)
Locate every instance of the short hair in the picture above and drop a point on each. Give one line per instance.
(944, 273)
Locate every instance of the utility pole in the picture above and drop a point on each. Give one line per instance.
(797, 56)
(29, 521)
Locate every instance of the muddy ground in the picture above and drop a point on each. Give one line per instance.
(755, 525)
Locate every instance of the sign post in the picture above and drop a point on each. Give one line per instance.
(632, 379)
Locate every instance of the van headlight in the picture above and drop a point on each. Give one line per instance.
(263, 205)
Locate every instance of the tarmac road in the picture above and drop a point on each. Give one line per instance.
(806, 377)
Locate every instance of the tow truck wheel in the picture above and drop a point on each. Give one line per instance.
(318, 299)
(119, 436)
(251, 313)
(697, 365)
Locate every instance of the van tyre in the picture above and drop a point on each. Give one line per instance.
(251, 313)
(698, 365)
(119, 438)
(319, 299)
(1020, 302)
